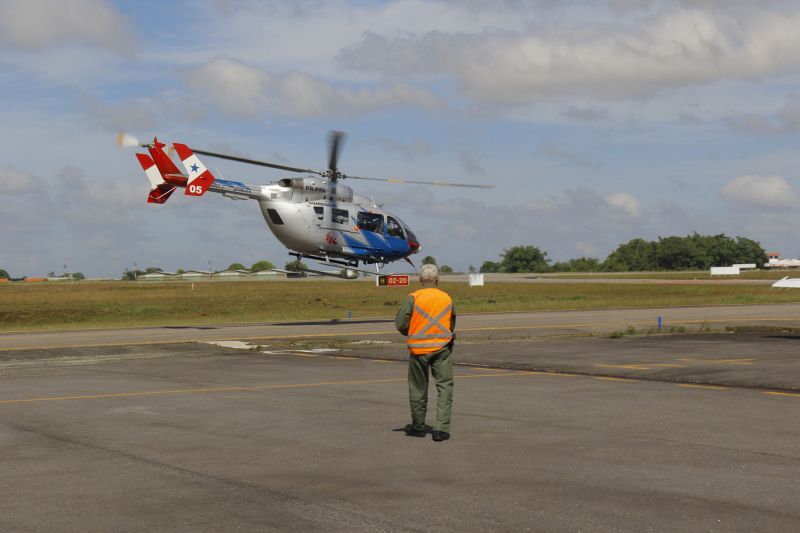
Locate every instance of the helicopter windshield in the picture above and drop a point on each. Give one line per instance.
(409, 234)
(394, 228)
(370, 222)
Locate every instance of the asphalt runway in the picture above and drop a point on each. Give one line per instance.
(695, 432)
(481, 326)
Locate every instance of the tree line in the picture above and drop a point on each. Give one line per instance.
(692, 252)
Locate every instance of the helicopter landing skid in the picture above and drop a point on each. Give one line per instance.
(349, 266)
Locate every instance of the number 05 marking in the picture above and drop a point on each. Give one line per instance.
(195, 189)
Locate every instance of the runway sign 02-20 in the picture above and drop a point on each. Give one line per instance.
(393, 280)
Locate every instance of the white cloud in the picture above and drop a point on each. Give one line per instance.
(784, 120)
(676, 47)
(625, 203)
(35, 25)
(245, 91)
(15, 181)
(772, 192)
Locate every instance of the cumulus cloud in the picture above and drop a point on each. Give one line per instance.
(563, 224)
(771, 192)
(784, 120)
(245, 91)
(15, 181)
(675, 47)
(34, 25)
(625, 203)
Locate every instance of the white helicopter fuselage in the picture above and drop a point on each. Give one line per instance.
(312, 217)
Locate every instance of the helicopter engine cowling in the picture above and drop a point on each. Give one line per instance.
(310, 189)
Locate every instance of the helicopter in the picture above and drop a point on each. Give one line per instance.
(314, 216)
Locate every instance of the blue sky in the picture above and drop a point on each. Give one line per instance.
(597, 121)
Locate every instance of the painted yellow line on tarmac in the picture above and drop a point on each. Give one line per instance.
(693, 386)
(614, 379)
(238, 389)
(774, 393)
(739, 361)
(627, 367)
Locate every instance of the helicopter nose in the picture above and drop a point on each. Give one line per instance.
(413, 246)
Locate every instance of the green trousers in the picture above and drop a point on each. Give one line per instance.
(442, 370)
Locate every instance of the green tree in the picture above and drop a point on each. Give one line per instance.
(693, 251)
(4, 274)
(237, 266)
(472, 269)
(636, 254)
(261, 265)
(446, 269)
(297, 266)
(675, 253)
(132, 274)
(180, 271)
(153, 270)
(489, 267)
(78, 276)
(524, 259)
(581, 264)
(428, 260)
(750, 251)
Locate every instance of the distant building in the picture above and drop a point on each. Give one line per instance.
(195, 274)
(231, 274)
(153, 276)
(776, 262)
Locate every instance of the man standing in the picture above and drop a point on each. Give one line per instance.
(428, 319)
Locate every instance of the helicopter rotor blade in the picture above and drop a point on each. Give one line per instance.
(256, 162)
(416, 182)
(334, 144)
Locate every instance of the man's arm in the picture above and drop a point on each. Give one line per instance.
(403, 319)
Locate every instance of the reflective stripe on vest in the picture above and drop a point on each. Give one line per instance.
(429, 330)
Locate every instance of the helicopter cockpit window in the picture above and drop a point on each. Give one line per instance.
(341, 216)
(370, 222)
(394, 228)
(320, 211)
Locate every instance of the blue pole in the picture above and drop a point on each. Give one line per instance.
(659, 322)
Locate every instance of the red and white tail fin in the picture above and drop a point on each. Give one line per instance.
(160, 190)
(169, 171)
(200, 178)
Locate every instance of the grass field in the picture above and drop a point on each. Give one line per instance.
(114, 304)
(687, 274)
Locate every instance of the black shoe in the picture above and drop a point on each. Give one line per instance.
(439, 436)
(411, 432)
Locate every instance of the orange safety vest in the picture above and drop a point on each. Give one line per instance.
(429, 330)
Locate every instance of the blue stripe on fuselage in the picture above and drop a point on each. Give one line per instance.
(231, 183)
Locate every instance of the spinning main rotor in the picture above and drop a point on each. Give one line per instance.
(332, 173)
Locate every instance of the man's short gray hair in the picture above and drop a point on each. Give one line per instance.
(428, 273)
